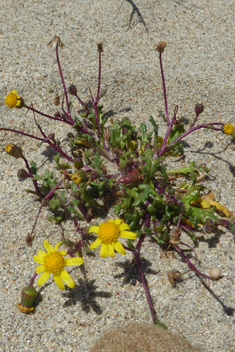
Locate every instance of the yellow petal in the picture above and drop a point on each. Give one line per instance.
(95, 244)
(73, 261)
(118, 221)
(63, 252)
(119, 248)
(39, 269)
(94, 229)
(104, 250)
(124, 227)
(128, 234)
(38, 259)
(57, 247)
(67, 279)
(59, 282)
(40, 252)
(222, 208)
(111, 252)
(43, 278)
(205, 204)
(48, 246)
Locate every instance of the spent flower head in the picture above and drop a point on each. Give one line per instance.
(99, 43)
(53, 262)
(13, 150)
(108, 233)
(161, 46)
(13, 100)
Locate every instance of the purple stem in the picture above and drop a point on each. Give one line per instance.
(24, 134)
(181, 252)
(195, 120)
(168, 147)
(53, 190)
(76, 248)
(82, 103)
(35, 221)
(150, 303)
(164, 89)
(99, 80)
(54, 146)
(48, 116)
(39, 193)
(62, 79)
(32, 279)
(192, 249)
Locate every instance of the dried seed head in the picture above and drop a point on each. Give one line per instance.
(215, 273)
(55, 42)
(161, 46)
(56, 100)
(100, 45)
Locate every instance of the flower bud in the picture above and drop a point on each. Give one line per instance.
(51, 136)
(23, 174)
(57, 114)
(28, 296)
(72, 90)
(14, 151)
(78, 163)
(199, 108)
(161, 46)
(100, 46)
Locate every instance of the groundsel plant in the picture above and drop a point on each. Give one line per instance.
(144, 194)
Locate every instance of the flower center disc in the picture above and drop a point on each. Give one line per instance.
(54, 263)
(108, 232)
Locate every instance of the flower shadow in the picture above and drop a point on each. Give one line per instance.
(86, 293)
(130, 274)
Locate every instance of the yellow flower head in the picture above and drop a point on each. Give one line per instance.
(228, 128)
(108, 233)
(13, 100)
(53, 262)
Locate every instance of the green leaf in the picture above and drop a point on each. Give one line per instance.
(37, 177)
(33, 167)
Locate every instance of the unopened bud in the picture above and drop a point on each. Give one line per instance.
(72, 90)
(199, 108)
(161, 46)
(14, 151)
(28, 296)
(57, 114)
(78, 163)
(100, 45)
(23, 174)
(51, 136)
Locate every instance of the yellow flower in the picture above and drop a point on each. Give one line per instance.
(108, 233)
(77, 178)
(13, 100)
(228, 128)
(53, 262)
